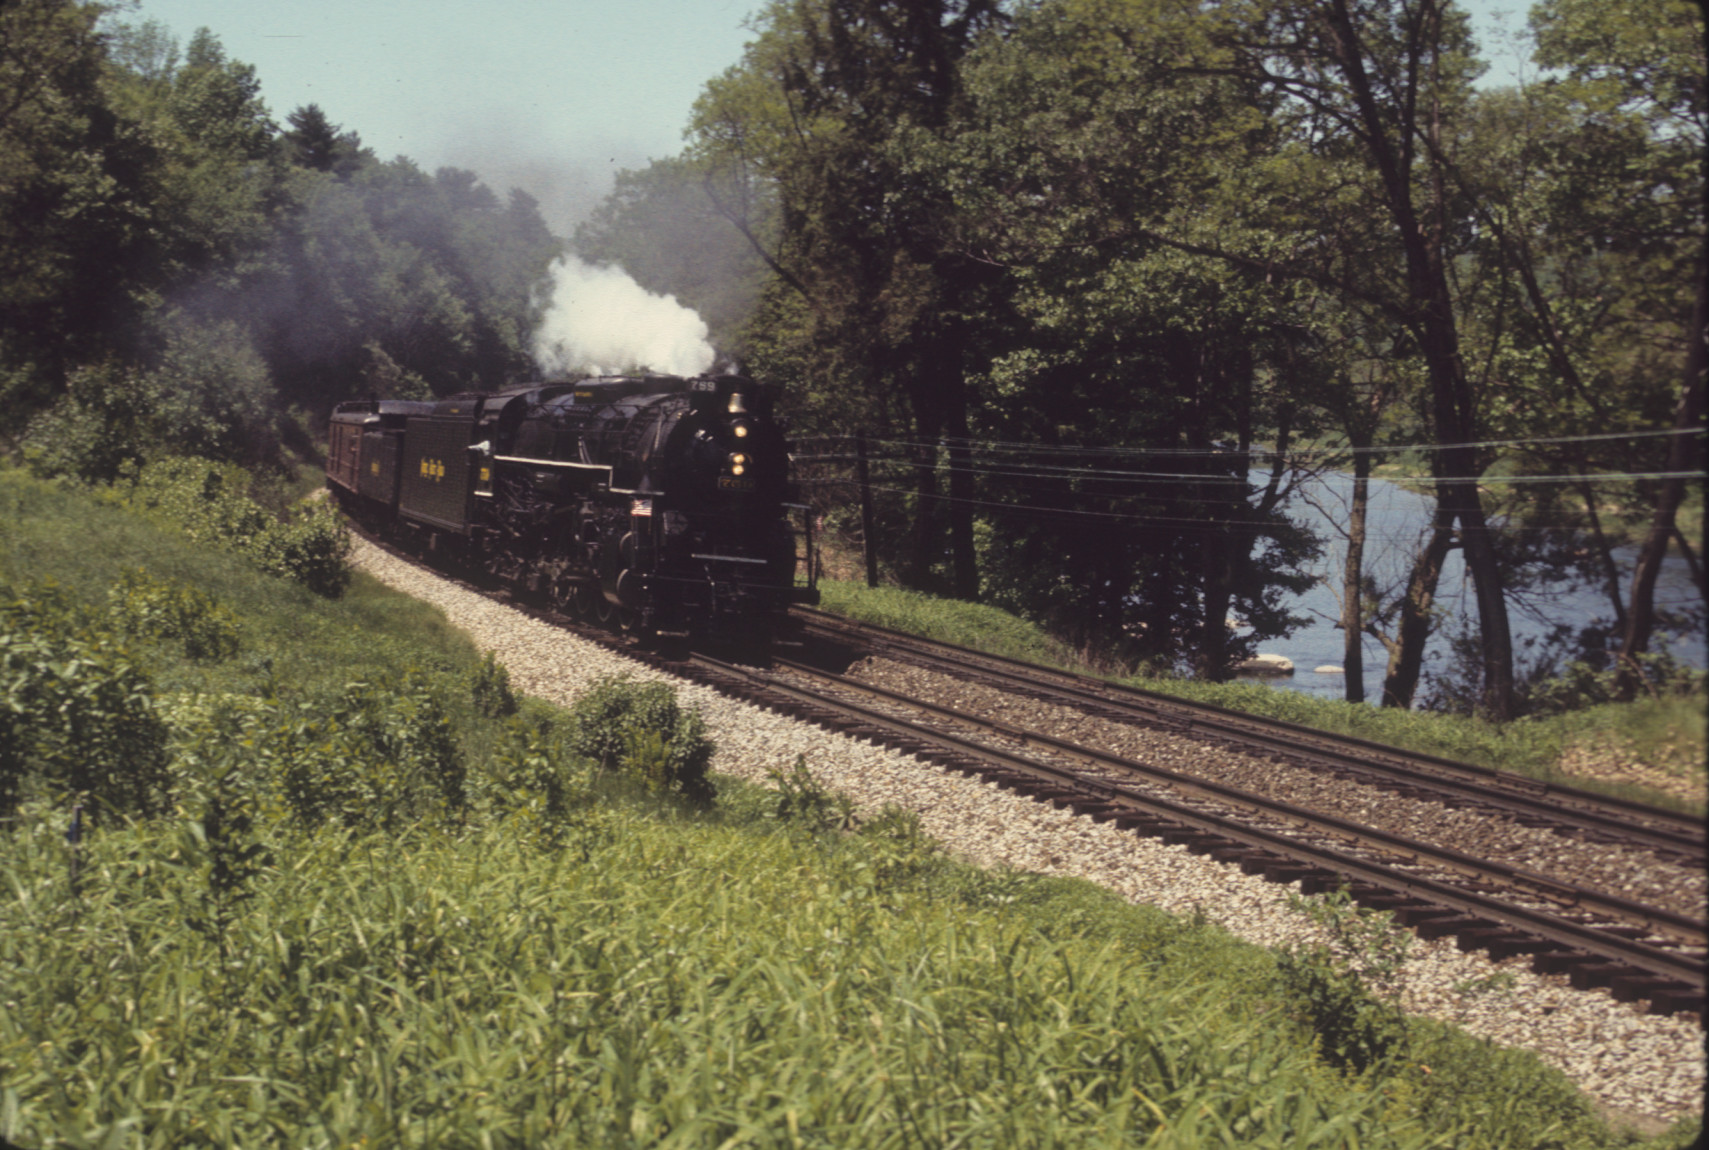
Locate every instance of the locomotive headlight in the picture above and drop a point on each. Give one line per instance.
(741, 430)
(737, 469)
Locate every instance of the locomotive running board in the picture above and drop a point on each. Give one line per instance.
(730, 559)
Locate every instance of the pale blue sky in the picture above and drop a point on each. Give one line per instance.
(553, 96)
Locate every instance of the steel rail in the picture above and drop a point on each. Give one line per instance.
(1684, 969)
(1686, 929)
(1486, 786)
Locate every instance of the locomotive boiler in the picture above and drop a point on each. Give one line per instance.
(660, 503)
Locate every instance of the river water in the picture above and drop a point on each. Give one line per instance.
(1397, 521)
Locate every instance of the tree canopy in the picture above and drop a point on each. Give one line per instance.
(178, 271)
(1199, 249)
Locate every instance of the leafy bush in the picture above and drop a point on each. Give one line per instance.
(78, 710)
(804, 801)
(221, 841)
(151, 608)
(204, 499)
(208, 501)
(311, 548)
(639, 728)
(1580, 685)
(530, 777)
(94, 431)
(208, 395)
(1346, 991)
(1569, 669)
(489, 689)
(380, 755)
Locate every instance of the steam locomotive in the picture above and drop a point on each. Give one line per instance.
(658, 503)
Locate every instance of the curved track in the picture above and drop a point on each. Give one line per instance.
(1670, 834)
(1638, 951)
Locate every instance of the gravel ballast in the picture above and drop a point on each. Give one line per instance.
(1629, 872)
(1630, 1063)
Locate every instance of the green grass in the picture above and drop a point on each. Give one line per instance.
(304, 645)
(1651, 730)
(663, 978)
(642, 972)
(946, 620)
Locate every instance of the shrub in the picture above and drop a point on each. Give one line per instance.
(93, 431)
(203, 499)
(639, 728)
(489, 689)
(531, 778)
(208, 395)
(379, 755)
(78, 708)
(208, 501)
(1346, 990)
(804, 801)
(211, 395)
(151, 608)
(221, 843)
(312, 548)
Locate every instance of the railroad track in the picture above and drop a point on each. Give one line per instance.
(1672, 836)
(1637, 951)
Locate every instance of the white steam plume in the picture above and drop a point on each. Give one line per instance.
(600, 321)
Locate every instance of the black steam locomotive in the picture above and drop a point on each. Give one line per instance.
(659, 503)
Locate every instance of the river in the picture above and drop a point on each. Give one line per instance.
(1397, 521)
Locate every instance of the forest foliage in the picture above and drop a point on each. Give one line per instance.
(180, 273)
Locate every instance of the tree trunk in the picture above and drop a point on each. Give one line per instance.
(965, 578)
(1406, 654)
(1353, 582)
(925, 516)
(1211, 659)
(1684, 455)
(1432, 322)
(1494, 634)
(1609, 569)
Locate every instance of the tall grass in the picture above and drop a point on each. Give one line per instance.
(654, 981)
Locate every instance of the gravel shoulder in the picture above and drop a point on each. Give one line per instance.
(1639, 1068)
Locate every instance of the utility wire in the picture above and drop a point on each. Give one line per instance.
(1188, 523)
(1176, 477)
(1395, 449)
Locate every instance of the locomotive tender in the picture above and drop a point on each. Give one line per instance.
(659, 502)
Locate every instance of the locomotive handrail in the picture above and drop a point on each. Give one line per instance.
(728, 558)
(523, 459)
